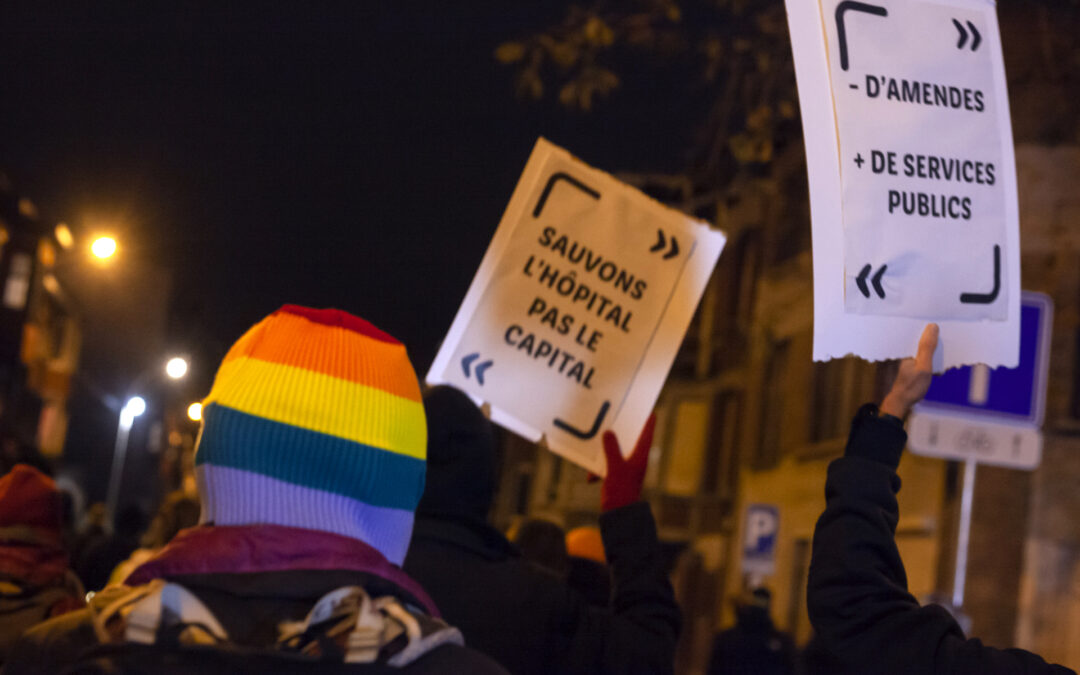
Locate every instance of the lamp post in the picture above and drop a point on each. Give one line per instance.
(133, 407)
(176, 368)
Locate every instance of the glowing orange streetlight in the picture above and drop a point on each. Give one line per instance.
(103, 248)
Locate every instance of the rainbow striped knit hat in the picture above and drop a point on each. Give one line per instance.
(315, 421)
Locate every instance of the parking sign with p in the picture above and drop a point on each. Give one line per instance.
(759, 539)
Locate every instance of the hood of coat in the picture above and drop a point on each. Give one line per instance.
(260, 551)
(469, 534)
(461, 457)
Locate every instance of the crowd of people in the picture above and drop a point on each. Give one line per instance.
(341, 525)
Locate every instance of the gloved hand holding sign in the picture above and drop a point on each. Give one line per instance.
(622, 485)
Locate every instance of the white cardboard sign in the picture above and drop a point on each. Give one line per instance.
(572, 322)
(912, 177)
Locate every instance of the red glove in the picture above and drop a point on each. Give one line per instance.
(622, 485)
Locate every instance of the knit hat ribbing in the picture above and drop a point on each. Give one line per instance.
(315, 421)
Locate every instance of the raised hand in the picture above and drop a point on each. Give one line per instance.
(914, 376)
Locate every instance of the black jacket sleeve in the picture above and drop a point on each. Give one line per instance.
(639, 632)
(857, 591)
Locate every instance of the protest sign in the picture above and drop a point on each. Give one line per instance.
(912, 178)
(572, 322)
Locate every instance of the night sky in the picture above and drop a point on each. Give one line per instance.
(349, 154)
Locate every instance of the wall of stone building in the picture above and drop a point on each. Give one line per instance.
(996, 553)
(1048, 604)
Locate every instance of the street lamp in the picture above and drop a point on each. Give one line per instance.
(63, 235)
(103, 247)
(194, 411)
(175, 368)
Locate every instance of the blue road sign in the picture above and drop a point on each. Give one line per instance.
(1015, 394)
(759, 539)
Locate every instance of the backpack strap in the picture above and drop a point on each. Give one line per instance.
(425, 633)
(146, 612)
(345, 625)
(373, 629)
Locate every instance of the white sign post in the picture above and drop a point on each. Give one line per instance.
(912, 176)
(579, 307)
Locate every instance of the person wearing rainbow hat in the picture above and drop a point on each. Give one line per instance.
(310, 464)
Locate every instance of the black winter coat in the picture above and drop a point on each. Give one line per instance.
(857, 591)
(753, 647)
(528, 620)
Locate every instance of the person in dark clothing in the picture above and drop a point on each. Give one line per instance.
(178, 511)
(14, 450)
(527, 619)
(753, 646)
(101, 557)
(857, 589)
(310, 464)
(35, 581)
(543, 543)
(587, 570)
(816, 659)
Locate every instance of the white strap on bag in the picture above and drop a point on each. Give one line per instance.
(366, 625)
(419, 644)
(148, 608)
(367, 634)
(376, 624)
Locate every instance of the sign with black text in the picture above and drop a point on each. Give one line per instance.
(913, 180)
(579, 306)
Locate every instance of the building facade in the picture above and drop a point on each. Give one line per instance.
(40, 332)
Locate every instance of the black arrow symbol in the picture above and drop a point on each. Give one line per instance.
(595, 429)
(963, 34)
(841, 30)
(986, 298)
(553, 181)
(480, 369)
(976, 39)
(875, 280)
(661, 243)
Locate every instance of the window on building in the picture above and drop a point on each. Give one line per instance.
(773, 407)
(523, 493)
(840, 386)
(720, 474)
(1076, 381)
(686, 455)
(737, 278)
(554, 478)
(831, 399)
